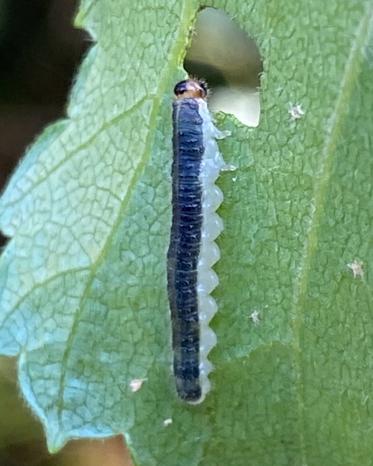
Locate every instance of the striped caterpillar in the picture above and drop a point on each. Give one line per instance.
(195, 225)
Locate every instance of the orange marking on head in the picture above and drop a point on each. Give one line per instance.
(191, 89)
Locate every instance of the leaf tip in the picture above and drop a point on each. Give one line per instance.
(55, 439)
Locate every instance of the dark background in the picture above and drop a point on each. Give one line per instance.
(39, 54)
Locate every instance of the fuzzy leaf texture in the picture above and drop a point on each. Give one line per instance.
(83, 276)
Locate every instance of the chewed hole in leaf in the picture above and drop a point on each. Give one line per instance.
(229, 60)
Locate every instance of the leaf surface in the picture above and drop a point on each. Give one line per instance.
(83, 278)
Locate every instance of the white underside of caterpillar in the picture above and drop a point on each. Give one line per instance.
(212, 226)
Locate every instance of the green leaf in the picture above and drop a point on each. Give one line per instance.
(83, 278)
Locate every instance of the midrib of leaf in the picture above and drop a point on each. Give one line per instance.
(187, 15)
(351, 71)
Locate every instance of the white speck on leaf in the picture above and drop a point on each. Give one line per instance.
(167, 422)
(136, 384)
(255, 317)
(296, 112)
(356, 267)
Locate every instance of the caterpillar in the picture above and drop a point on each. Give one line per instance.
(192, 252)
